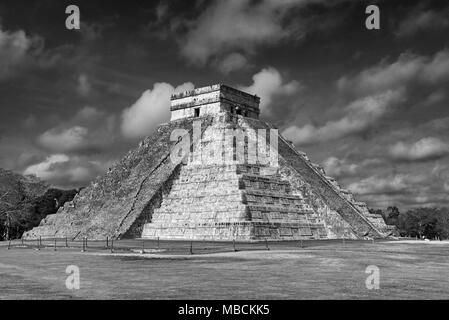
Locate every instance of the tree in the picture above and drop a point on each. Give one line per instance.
(23, 215)
(392, 215)
(425, 222)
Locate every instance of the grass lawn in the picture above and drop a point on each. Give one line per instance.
(321, 270)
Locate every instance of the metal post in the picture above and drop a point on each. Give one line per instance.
(266, 244)
(143, 247)
(38, 245)
(84, 248)
(158, 243)
(22, 241)
(66, 242)
(233, 244)
(40, 241)
(112, 245)
(191, 247)
(107, 242)
(300, 244)
(9, 244)
(86, 241)
(55, 244)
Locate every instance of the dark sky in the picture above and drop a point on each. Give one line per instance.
(369, 105)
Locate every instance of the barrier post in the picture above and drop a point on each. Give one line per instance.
(191, 247)
(55, 244)
(266, 244)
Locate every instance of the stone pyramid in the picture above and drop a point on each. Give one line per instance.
(215, 172)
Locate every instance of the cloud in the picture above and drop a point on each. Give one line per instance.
(15, 47)
(241, 25)
(43, 169)
(150, 110)
(89, 130)
(406, 189)
(84, 85)
(161, 11)
(423, 20)
(408, 68)
(65, 139)
(424, 149)
(232, 62)
(63, 171)
(380, 185)
(435, 97)
(268, 84)
(359, 116)
(339, 168)
(446, 186)
(88, 113)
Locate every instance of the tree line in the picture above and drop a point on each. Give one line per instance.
(19, 217)
(430, 223)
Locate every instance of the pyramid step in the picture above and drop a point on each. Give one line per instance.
(273, 200)
(269, 193)
(247, 181)
(300, 209)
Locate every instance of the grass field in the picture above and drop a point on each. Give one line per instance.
(320, 270)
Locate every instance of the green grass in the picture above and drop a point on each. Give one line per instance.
(322, 270)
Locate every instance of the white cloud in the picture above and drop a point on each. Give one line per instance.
(435, 97)
(408, 68)
(88, 113)
(359, 116)
(269, 84)
(339, 167)
(14, 49)
(43, 169)
(232, 62)
(150, 110)
(89, 130)
(63, 140)
(423, 20)
(240, 25)
(446, 186)
(423, 149)
(84, 85)
(63, 171)
(380, 185)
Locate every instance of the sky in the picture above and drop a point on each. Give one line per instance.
(371, 106)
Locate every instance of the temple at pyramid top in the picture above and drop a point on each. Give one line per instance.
(212, 100)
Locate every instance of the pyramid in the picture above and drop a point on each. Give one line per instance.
(214, 172)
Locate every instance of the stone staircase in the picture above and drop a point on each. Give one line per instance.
(232, 202)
